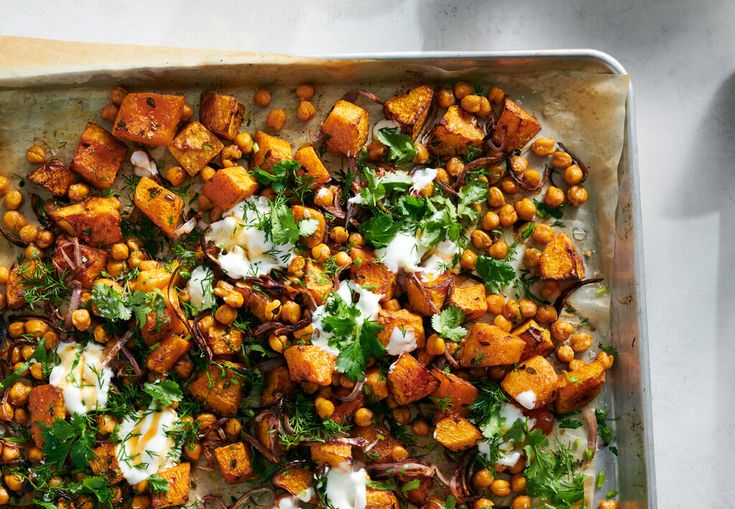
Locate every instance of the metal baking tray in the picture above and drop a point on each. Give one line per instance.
(628, 391)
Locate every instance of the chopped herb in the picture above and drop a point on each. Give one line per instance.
(497, 274)
(74, 439)
(570, 423)
(401, 149)
(164, 391)
(158, 484)
(448, 323)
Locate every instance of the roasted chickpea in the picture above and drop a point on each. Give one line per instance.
(183, 368)
(442, 175)
(532, 178)
(496, 95)
(471, 103)
(120, 251)
(500, 487)
(495, 197)
(402, 415)
(462, 89)
(277, 343)
(521, 502)
(18, 393)
(324, 197)
(36, 155)
(225, 314)
(508, 215)
(4, 496)
(100, 334)
(468, 261)
(10, 452)
(543, 147)
(32, 251)
(422, 154)
(106, 424)
(483, 503)
(305, 91)
(495, 303)
(398, 453)
(305, 111)
(78, 192)
(175, 175)
(14, 482)
(553, 197)
(36, 327)
(480, 239)
(262, 98)
(4, 185)
(512, 310)
(577, 195)
(455, 166)
(420, 428)
(187, 112)
(561, 160)
(276, 119)
(320, 252)
(435, 345)
(542, 234)
(561, 330)
(503, 323)
(13, 200)
(485, 107)
(483, 478)
(565, 354)
(573, 175)
(117, 94)
(339, 234)
(498, 250)
(290, 312)
(508, 185)
(581, 342)
(234, 299)
(272, 309)
(363, 417)
(527, 307)
(37, 369)
(342, 259)
(576, 364)
(525, 209)
(356, 239)
(518, 164)
(16, 330)
(490, 221)
(324, 407)
(193, 451)
(109, 112)
(207, 173)
(14, 220)
(81, 320)
(244, 142)
(518, 483)
(546, 314)
(606, 359)
(445, 98)
(233, 428)
(531, 257)
(297, 265)
(608, 504)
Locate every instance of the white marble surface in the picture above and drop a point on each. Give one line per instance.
(680, 55)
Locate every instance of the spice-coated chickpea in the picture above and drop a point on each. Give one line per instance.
(37, 369)
(262, 98)
(342, 259)
(435, 345)
(420, 428)
(495, 197)
(14, 482)
(525, 209)
(483, 478)
(561, 160)
(581, 342)
(187, 112)
(35, 155)
(398, 453)
(225, 314)
(120, 251)
(606, 359)
(193, 451)
(32, 251)
(106, 424)
(13, 200)
(81, 320)
(296, 267)
(546, 314)
(109, 112)
(234, 299)
(324, 407)
(356, 239)
(320, 252)
(498, 250)
(462, 89)
(277, 343)
(495, 303)
(503, 323)
(376, 151)
(305, 91)
(233, 427)
(183, 368)
(511, 310)
(363, 417)
(18, 393)
(542, 234)
(518, 483)
(553, 197)
(324, 197)
(272, 309)
(527, 308)
(78, 192)
(14, 220)
(565, 354)
(471, 103)
(576, 364)
(422, 154)
(508, 185)
(561, 330)
(175, 175)
(445, 97)
(442, 175)
(28, 233)
(100, 334)
(577, 195)
(485, 107)
(496, 95)
(4, 496)
(532, 178)
(455, 166)
(402, 415)
(518, 164)
(244, 142)
(468, 261)
(521, 502)
(4, 185)
(207, 173)
(573, 175)
(508, 215)
(480, 239)
(305, 111)
(10, 452)
(276, 119)
(550, 290)
(483, 503)
(543, 147)
(290, 312)
(500, 487)
(490, 221)
(16, 329)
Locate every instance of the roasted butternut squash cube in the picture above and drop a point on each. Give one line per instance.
(487, 345)
(234, 463)
(316, 238)
(14, 290)
(271, 150)
(159, 326)
(455, 133)
(427, 297)
(469, 295)
(149, 119)
(45, 405)
(317, 282)
(105, 463)
(150, 280)
(345, 410)
(230, 186)
(401, 323)
(164, 355)
(308, 363)
(456, 433)
(381, 499)
(194, 147)
(179, 486)
(376, 384)
(515, 127)
(221, 114)
(560, 260)
(579, 387)
(95, 221)
(382, 440)
(411, 109)
(373, 275)
(454, 394)
(537, 338)
(331, 453)
(256, 302)
(161, 206)
(98, 156)
(223, 340)
(278, 384)
(220, 389)
(409, 381)
(295, 480)
(346, 128)
(94, 261)
(312, 165)
(54, 176)
(533, 384)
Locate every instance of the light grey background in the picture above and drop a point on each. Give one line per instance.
(680, 55)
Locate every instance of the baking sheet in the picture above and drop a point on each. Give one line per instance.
(584, 110)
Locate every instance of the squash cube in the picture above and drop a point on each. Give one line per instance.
(346, 128)
(317, 282)
(579, 387)
(411, 109)
(409, 381)
(105, 463)
(295, 480)
(382, 440)
(373, 275)
(234, 463)
(148, 118)
(402, 322)
(54, 176)
(94, 261)
(312, 165)
(179, 485)
(376, 384)
(221, 114)
(220, 389)
(45, 405)
(278, 384)
(164, 355)
(331, 453)
(560, 260)
(427, 297)
(533, 384)
(230, 186)
(537, 338)
(271, 150)
(487, 345)
(454, 394)
(14, 290)
(456, 433)
(316, 238)
(98, 156)
(381, 499)
(455, 133)
(515, 127)
(469, 295)
(161, 206)
(308, 363)
(95, 221)
(194, 147)
(344, 411)
(223, 340)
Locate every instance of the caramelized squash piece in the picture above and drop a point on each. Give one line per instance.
(515, 127)
(533, 384)
(487, 345)
(148, 118)
(221, 114)
(346, 128)
(409, 381)
(98, 156)
(194, 147)
(560, 260)
(455, 133)
(456, 433)
(411, 109)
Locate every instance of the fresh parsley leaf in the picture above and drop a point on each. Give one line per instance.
(450, 503)
(543, 211)
(74, 438)
(471, 193)
(158, 484)
(448, 324)
(383, 485)
(497, 274)
(608, 349)
(278, 176)
(410, 485)
(109, 303)
(551, 477)
(99, 487)
(164, 391)
(606, 432)
(283, 225)
(570, 423)
(401, 149)
(379, 230)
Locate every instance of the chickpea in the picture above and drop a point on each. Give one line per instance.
(235, 300)
(262, 98)
(14, 482)
(471, 103)
(272, 309)
(518, 164)
(206, 420)
(546, 314)
(305, 91)
(4, 185)
(183, 368)
(518, 467)
(581, 342)
(36, 155)
(495, 197)
(45, 239)
(565, 354)
(435, 345)
(402, 415)
(4, 496)
(13, 200)
(100, 334)
(420, 428)
(553, 197)
(141, 502)
(10, 452)
(305, 111)
(543, 147)
(561, 330)
(37, 369)
(290, 312)
(521, 502)
(36, 327)
(442, 175)
(508, 185)
(27, 352)
(320, 252)
(445, 98)
(500, 487)
(106, 424)
(483, 478)
(606, 359)
(193, 451)
(525, 209)
(109, 112)
(511, 310)
(376, 151)
(16, 329)
(148, 265)
(483, 503)
(276, 119)
(297, 265)
(21, 416)
(233, 428)
(496, 95)
(18, 393)
(480, 239)
(495, 303)
(175, 175)
(32, 252)
(117, 94)
(363, 417)
(532, 178)
(462, 89)
(78, 192)
(531, 257)
(392, 305)
(561, 160)
(455, 166)
(398, 453)
(573, 175)
(576, 364)
(120, 251)
(34, 454)
(608, 504)
(422, 154)
(503, 323)
(14, 220)
(28, 233)
(356, 239)
(527, 308)
(207, 173)
(518, 483)
(550, 290)
(343, 259)
(225, 314)
(468, 261)
(244, 142)
(485, 107)
(508, 215)
(498, 250)
(542, 234)
(577, 195)
(81, 319)
(339, 234)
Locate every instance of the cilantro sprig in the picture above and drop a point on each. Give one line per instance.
(165, 392)
(73, 439)
(116, 307)
(448, 323)
(401, 149)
